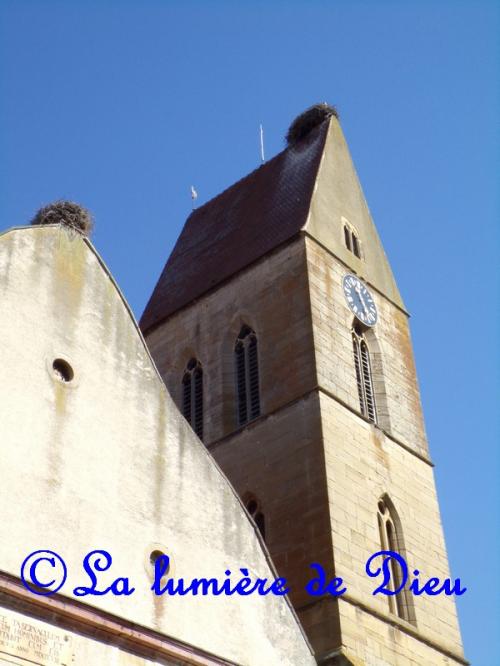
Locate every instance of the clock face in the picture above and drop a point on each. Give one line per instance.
(359, 300)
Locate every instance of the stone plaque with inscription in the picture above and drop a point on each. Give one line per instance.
(24, 641)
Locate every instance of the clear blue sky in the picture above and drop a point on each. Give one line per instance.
(123, 105)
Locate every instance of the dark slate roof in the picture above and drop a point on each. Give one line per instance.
(237, 227)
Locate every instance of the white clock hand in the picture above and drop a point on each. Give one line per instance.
(358, 291)
(363, 302)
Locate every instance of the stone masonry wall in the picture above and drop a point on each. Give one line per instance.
(271, 297)
(363, 463)
(396, 390)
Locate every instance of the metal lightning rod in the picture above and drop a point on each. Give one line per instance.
(262, 157)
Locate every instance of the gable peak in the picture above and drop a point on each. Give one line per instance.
(309, 119)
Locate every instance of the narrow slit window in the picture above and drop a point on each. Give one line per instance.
(355, 245)
(247, 376)
(192, 396)
(364, 378)
(347, 237)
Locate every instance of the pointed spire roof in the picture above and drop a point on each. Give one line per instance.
(338, 200)
(310, 186)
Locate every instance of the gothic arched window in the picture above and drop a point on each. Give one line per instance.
(192, 396)
(253, 508)
(391, 538)
(364, 376)
(247, 375)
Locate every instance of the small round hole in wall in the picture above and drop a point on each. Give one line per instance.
(151, 554)
(62, 370)
(153, 557)
(155, 554)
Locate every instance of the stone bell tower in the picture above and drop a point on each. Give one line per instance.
(277, 324)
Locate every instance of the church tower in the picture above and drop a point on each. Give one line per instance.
(280, 331)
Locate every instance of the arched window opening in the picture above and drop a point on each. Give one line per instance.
(253, 508)
(364, 377)
(247, 375)
(351, 240)
(192, 396)
(391, 538)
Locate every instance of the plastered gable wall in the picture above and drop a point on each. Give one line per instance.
(271, 296)
(107, 461)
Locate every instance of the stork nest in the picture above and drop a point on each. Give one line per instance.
(308, 120)
(68, 213)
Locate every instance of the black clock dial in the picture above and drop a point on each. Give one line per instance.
(359, 300)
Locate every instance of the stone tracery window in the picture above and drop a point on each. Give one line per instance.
(391, 538)
(247, 375)
(192, 396)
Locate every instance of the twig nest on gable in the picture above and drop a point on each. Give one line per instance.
(67, 213)
(308, 120)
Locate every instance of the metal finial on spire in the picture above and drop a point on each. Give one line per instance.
(262, 157)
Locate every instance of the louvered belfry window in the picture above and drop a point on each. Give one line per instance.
(247, 375)
(364, 376)
(192, 396)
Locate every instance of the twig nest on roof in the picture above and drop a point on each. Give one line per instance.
(68, 213)
(308, 120)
